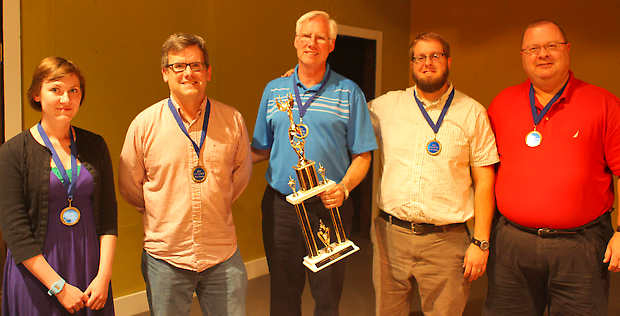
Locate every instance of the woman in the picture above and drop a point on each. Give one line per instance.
(57, 205)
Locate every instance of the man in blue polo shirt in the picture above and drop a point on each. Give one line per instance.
(340, 137)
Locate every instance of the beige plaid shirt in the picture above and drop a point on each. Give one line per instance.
(416, 186)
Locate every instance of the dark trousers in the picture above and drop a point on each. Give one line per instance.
(564, 273)
(285, 249)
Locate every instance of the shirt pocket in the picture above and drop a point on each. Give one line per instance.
(220, 160)
(454, 144)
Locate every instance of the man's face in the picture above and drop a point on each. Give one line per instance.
(551, 61)
(187, 85)
(431, 73)
(313, 43)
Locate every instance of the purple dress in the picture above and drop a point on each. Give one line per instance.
(72, 251)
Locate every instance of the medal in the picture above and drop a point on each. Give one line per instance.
(199, 174)
(534, 138)
(70, 215)
(433, 147)
(301, 131)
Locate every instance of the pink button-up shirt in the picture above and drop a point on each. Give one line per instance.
(187, 224)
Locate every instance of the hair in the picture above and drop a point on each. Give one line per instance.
(543, 22)
(52, 68)
(179, 41)
(333, 26)
(430, 36)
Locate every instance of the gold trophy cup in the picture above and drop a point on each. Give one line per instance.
(329, 253)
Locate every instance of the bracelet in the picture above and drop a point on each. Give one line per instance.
(56, 287)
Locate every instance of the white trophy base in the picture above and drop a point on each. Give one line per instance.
(325, 259)
(300, 196)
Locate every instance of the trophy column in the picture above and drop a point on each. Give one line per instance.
(318, 258)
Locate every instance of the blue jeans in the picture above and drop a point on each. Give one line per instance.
(220, 289)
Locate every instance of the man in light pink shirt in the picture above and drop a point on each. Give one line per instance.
(184, 161)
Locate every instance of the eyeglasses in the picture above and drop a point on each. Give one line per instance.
(309, 38)
(180, 67)
(422, 58)
(550, 47)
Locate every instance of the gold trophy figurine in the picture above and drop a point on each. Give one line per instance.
(310, 186)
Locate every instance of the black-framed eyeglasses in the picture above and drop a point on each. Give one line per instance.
(551, 46)
(422, 58)
(180, 67)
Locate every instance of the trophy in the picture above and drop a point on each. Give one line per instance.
(323, 254)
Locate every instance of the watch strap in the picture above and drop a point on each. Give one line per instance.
(56, 287)
(482, 244)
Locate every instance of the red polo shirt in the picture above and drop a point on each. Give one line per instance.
(566, 181)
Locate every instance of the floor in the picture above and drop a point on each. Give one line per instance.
(358, 296)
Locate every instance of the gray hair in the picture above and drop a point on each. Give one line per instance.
(333, 26)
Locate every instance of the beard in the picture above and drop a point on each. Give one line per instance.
(431, 85)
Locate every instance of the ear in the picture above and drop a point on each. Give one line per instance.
(164, 74)
(449, 62)
(209, 73)
(332, 45)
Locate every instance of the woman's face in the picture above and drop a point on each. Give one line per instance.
(60, 98)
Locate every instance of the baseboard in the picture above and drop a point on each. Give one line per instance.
(257, 268)
(136, 303)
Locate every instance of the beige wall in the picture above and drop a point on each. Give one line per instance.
(116, 43)
(485, 38)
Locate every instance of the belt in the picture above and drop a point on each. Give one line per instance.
(546, 232)
(417, 228)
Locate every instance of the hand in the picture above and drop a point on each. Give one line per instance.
(334, 196)
(612, 254)
(71, 298)
(288, 73)
(97, 292)
(475, 263)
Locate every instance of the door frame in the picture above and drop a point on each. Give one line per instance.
(11, 26)
(377, 36)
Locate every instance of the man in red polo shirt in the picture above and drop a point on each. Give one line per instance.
(559, 144)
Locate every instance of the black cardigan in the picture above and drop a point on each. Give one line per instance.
(24, 185)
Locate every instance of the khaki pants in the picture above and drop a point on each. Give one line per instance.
(434, 261)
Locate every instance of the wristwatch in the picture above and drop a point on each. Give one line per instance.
(482, 244)
(56, 287)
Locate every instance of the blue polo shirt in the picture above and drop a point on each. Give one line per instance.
(338, 123)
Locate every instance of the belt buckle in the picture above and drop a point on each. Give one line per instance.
(417, 229)
(543, 232)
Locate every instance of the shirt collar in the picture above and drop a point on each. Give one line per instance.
(178, 108)
(316, 86)
(565, 94)
(439, 102)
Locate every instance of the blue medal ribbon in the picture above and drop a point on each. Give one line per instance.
(205, 124)
(304, 107)
(538, 117)
(68, 183)
(434, 126)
